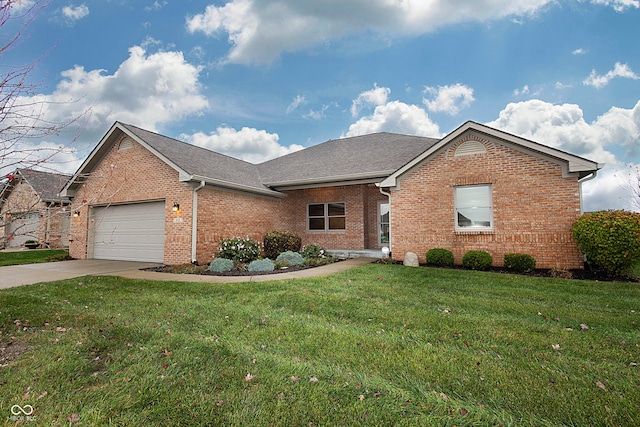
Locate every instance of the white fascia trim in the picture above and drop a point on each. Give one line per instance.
(331, 181)
(231, 186)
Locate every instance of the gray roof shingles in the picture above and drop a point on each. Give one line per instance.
(46, 184)
(375, 155)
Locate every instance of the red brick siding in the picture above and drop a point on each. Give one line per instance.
(534, 206)
(361, 215)
(226, 214)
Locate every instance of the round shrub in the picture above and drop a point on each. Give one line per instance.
(240, 250)
(314, 251)
(519, 262)
(276, 242)
(439, 257)
(262, 265)
(221, 264)
(477, 260)
(290, 258)
(609, 239)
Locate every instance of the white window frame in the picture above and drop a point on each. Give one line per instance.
(326, 217)
(484, 202)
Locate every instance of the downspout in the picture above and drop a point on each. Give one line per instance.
(384, 193)
(589, 177)
(194, 222)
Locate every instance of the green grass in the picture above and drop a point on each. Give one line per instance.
(377, 345)
(31, 256)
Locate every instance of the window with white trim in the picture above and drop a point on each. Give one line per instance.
(474, 208)
(326, 216)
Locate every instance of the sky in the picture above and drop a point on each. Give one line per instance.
(257, 79)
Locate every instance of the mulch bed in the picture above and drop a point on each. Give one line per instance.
(10, 351)
(171, 269)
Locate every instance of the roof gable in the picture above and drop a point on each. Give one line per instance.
(574, 164)
(47, 185)
(192, 163)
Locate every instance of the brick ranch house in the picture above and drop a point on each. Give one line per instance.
(31, 209)
(143, 196)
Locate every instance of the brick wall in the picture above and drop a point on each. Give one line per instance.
(361, 205)
(534, 206)
(227, 214)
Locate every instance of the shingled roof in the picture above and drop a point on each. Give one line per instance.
(367, 157)
(200, 163)
(46, 185)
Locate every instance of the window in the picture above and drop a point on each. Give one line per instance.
(474, 208)
(326, 216)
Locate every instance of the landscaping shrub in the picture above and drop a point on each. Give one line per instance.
(519, 262)
(610, 239)
(240, 250)
(439, 257)
(314, 251)
(276, 242)
(290, 258)
(262, 265)
(221, 264)
(477, 260)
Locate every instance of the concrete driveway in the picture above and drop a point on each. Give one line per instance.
(16, 275)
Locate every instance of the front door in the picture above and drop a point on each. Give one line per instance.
(384, 236)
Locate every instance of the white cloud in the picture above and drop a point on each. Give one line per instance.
(75, 13)
(610, 190)
(370, 98)
(318, 115)
(448, 99)
(619, 70)
(579, 51)
(147, 90)
(618, 5)
(249, 144)
(523, 91)
(297, 101)
(564, 127)
(21, 5)
(259, 31)
(397, 117)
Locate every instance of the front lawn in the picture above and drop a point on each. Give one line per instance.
(376, 345)
(32, 256)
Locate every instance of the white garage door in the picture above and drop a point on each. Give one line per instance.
(133, 232)
(22, 229)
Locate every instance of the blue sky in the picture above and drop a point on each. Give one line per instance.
(256, 79)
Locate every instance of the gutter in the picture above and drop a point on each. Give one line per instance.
(194, 222)
(384, 193)
(589, 177)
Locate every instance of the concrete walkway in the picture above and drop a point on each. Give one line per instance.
(18, 275)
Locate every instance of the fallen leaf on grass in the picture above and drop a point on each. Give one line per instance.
(294, 378)
(556, 346)
(599, 384)
(463, 412)
(73, 418)
(444, 396)
(583, 326)
(248, 378)
(361, 397)
(313, 380)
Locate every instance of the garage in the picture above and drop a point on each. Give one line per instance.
(24, 228)
(131, 232)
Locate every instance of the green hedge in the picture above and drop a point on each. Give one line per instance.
(477, 260)
(610, 239)
(519, 262)
(277, 242)
(439, 257)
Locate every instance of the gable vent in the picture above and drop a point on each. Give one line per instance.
(470, 147)
(125, 144)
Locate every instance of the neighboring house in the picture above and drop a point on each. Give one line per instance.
(32, 209)
(143, 196)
